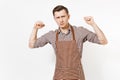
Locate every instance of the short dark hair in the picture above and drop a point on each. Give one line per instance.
(59, 8)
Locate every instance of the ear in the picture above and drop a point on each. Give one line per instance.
(69, 16)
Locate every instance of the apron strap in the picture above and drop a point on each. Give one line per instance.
(73, 34)
(57, 35)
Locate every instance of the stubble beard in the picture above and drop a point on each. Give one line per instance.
(65, 27)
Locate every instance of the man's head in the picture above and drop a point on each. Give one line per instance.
(61, 16)
(59, 8)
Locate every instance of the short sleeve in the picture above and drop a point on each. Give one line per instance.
(90, 36)
(43, 40)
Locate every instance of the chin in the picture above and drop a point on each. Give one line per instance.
(62, 26)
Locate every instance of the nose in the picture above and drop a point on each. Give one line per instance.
(61, 19)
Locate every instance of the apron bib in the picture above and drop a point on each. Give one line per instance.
(68, 60)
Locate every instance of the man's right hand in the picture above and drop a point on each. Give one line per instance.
(33, 37)
(39, 25)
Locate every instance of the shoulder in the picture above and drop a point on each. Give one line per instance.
(80, 29)
(50, 33)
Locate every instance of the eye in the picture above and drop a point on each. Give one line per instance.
(62, 16)
(57, 17)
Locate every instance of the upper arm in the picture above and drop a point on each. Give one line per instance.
(89, 36)
(43, 40)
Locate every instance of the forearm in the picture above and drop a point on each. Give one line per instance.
(33, 37)
(100, 34)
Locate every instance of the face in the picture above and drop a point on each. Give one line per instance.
(61, 18)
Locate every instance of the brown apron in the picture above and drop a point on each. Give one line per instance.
(68, 60)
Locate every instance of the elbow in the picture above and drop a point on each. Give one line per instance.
(103, 42)
(31, 46)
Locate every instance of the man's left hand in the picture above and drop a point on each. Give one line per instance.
(89, 20)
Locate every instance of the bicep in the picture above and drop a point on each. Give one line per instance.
(92, 37)
(40, 42)
(88, 35)
(43, 40)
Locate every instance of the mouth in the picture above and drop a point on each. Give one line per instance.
(61, 23)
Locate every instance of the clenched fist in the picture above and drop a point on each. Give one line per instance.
(89, 20)
(39, 25)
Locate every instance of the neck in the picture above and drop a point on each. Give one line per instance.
(65, 29)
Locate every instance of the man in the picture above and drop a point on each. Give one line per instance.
(67, 42)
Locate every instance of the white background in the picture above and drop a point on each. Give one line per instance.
(17, 17)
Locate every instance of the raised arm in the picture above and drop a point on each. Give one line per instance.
(33, 36)
(89, 20)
